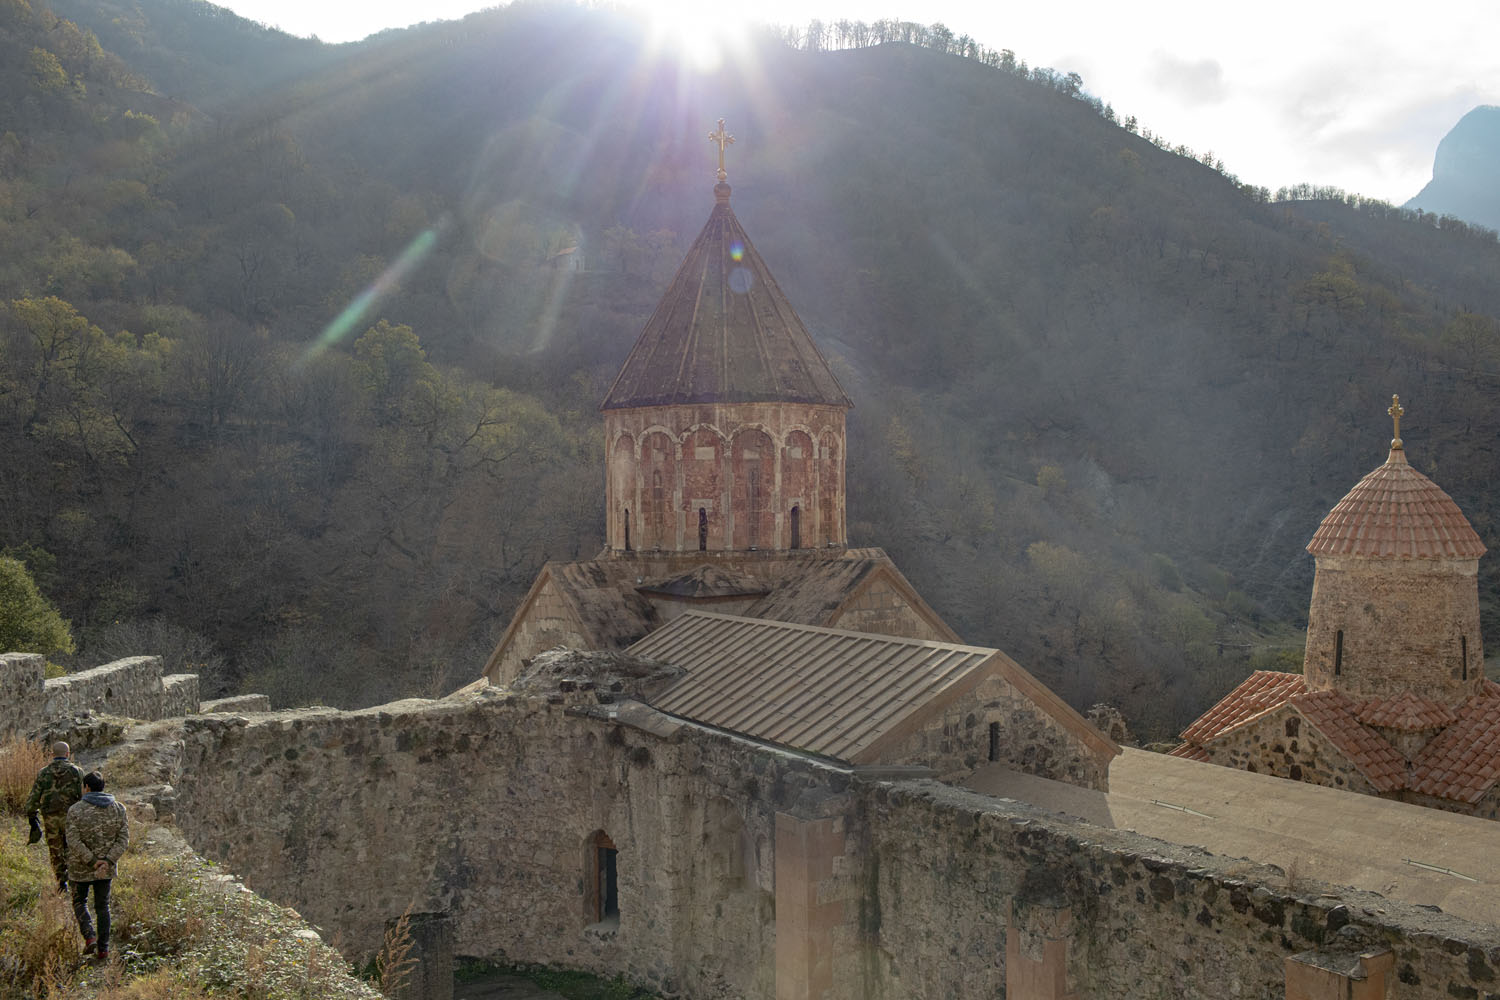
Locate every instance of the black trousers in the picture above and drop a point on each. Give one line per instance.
(101, 908)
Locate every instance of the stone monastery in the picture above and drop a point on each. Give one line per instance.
(1392, 700)
(766, 769)
(725, 445)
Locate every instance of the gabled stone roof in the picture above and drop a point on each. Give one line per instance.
(611, 596)
(724, 333)
(703, 582)
(1396, 512)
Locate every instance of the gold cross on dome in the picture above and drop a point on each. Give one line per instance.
(723, 138)
(1396, 413)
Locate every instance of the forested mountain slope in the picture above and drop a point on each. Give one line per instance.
(1103, 393)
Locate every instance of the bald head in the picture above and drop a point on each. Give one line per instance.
(61, 749)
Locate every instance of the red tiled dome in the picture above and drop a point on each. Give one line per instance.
(1396, 512)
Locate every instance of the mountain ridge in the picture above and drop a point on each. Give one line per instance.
(1103, 393)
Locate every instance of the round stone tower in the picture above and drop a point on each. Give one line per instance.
(1395, 601)
(725, 427)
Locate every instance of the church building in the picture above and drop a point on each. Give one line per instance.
(1392, 699)
(724, 478)
(726, 545)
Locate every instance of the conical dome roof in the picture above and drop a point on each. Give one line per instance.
(1396, 512)
(724, 333)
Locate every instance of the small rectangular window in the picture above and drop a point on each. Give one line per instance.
(1464, 652)
(609, 894)
(1338, 653)
(994, 741)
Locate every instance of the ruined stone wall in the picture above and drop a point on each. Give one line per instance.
(21, 693)
(130, 687)
(134, 688)
(996, 722)
(1406, 624)
(882, 608)
(1285, 744)
(748, 872)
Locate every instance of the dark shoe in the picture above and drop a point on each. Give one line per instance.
(103, 954)
(89, 946)
(62, 887)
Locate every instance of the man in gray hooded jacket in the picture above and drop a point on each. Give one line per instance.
(98, 833)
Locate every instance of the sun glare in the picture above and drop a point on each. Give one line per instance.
(700, 35)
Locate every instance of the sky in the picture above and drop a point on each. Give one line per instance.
(1328, 92)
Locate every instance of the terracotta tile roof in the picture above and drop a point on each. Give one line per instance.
(1396, 512)
(1408, 711)
(828, 691)
(1330, 712)
(1333, 716)
(1260, 691)
(1463, 761)
(724, 333)
(1190, 752)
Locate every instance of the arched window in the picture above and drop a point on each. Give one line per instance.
(796, 528)
(658, 509)
(756, 504)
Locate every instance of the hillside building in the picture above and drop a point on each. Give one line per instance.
(1392, 699)
(725, 495)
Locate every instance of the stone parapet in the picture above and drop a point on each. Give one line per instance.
(30, 702)
(130, 687)
(179, 695)
(237, 703)
(21, 693)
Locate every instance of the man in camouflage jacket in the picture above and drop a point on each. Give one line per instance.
(57, 787)
(98, 833)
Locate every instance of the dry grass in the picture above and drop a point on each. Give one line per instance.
(39, 939)
(20, 760)
(111, 984)
(181, 932)
(394, 963)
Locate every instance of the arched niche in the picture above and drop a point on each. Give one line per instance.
(753, 489)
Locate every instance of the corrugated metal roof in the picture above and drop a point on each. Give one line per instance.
(1396, 512)
(824, 690)
(724, 333)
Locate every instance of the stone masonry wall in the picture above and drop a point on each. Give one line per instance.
(21, 695)
(1407, 624)
(881, 608)
(1023, 736)
(134, 688)
(130, 687)
(486, 808)
(547, 623)
(1285, 744)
